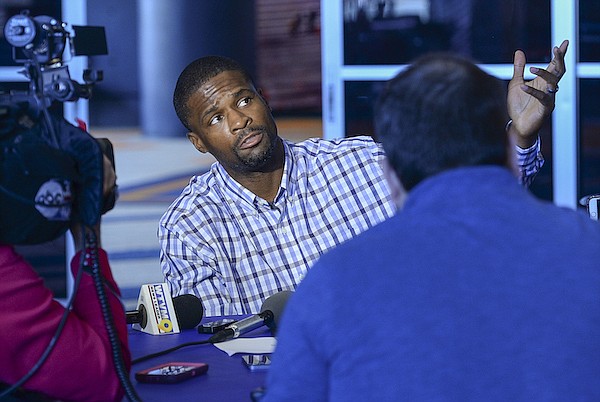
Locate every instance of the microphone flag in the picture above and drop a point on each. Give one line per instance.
(156, 300)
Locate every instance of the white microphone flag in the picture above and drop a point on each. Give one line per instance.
(156, 300)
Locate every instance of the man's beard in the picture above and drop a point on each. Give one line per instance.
(256, 161)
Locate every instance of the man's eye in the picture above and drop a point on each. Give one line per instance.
(215, 120)
(244, 101)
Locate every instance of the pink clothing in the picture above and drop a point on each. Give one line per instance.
(80, 366)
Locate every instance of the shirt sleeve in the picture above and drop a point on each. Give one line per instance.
(80, 366)
(195, 272)
(529, 162)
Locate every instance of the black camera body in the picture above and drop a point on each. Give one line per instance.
(39, 43)
(51, 172)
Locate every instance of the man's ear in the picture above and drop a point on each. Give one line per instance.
(197, 142)
(399, 194)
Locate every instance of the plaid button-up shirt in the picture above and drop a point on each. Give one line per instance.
(233, 249)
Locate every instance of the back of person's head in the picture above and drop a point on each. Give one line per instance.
(196, 74)
(440, 113)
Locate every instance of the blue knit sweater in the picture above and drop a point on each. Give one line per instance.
(475, 291)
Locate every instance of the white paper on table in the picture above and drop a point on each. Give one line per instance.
(265, 344)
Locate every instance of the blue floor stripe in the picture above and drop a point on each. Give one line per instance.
(151, 192)
(134, 254)
(130, 293)
(132, 218)
(152, 183)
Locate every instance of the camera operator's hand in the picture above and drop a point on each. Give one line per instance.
(110, 177)
(108, 185)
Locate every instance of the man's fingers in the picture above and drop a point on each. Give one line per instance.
(519, 65)
(557, 64)
(544, 97)
(551, 79)
(563, 47)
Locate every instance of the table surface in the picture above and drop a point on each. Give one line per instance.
(227, 378)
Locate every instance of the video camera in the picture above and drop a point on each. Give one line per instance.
(39, 43)
(51, 172)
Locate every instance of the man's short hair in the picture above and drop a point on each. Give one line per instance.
(440, 113)
(196, 74)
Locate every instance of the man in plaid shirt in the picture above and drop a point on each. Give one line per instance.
(268, 208)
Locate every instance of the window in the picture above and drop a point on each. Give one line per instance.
(368, 42)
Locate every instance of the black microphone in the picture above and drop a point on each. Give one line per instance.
(188, 311)
(269, 315)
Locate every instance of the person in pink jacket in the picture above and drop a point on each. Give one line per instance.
(80, 366)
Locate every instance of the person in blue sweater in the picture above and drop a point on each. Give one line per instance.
(474, 291)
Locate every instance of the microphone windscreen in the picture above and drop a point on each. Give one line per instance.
(276, 304)
(188, 310)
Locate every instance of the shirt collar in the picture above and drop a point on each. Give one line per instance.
(235, 192)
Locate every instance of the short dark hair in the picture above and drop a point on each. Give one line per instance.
(196, 74)
(441, 112)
